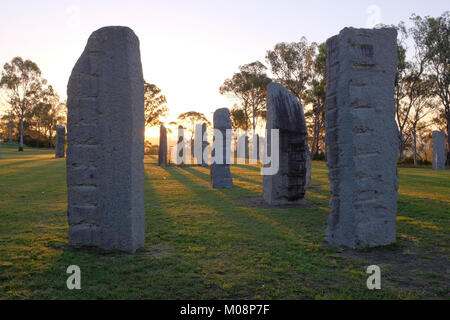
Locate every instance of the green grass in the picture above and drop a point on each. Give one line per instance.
(215, 244)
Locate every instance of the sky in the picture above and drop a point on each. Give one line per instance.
(188, 48)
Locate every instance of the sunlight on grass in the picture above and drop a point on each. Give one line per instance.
(204, 243)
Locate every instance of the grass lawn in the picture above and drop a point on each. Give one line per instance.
(216, 244)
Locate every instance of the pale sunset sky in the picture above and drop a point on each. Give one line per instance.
(188, 48)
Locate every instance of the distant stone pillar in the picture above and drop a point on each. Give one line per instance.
(162, 152)
(220, 169)
(181, 147)
(60, 142)
(105, 171)
(361, 137)
(198, 144)
(204, 145)
(308, 182)
(438, 150)
(243, 149)
(285, 113)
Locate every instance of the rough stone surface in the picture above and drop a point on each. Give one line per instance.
(361, 137)
(181, 147)
(285, 112)
(162, 152)
(438, 150)
(105, 172)
(220, 172)
(308, 182)
(60, 147)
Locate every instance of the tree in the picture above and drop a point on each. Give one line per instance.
(408, 85)
(249, 85)
(23, 81)
(316, 95)
(293, 65)
(432, 36)
(239, 119)
(423, 105)
(190, 118)
(155, 105)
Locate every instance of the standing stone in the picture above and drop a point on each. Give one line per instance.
(105, 171)
(438, 150)
(204, 145)
(220, 172)
(162, 152)
(285, 113)
(198, 144)
(60, 142)
(308, 182)
(243, 150)
(181, 147)
(361, 137)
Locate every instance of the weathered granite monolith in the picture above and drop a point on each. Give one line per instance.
(220, 167)
(181, 147)
(285, 113)
(105, 171)
(438, 150)
(60, 142)
(162, 151)
(361, 137)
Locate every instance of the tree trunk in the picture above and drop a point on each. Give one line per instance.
(415, 147)
(401, 146)
(21, 135)
(10, 131)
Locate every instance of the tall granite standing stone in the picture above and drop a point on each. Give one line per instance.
(220, 171)
(105, 171)
(285, 113)
(438, 150)
(361, 137)
(60, 142)
(181, 147)
(162, 152)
